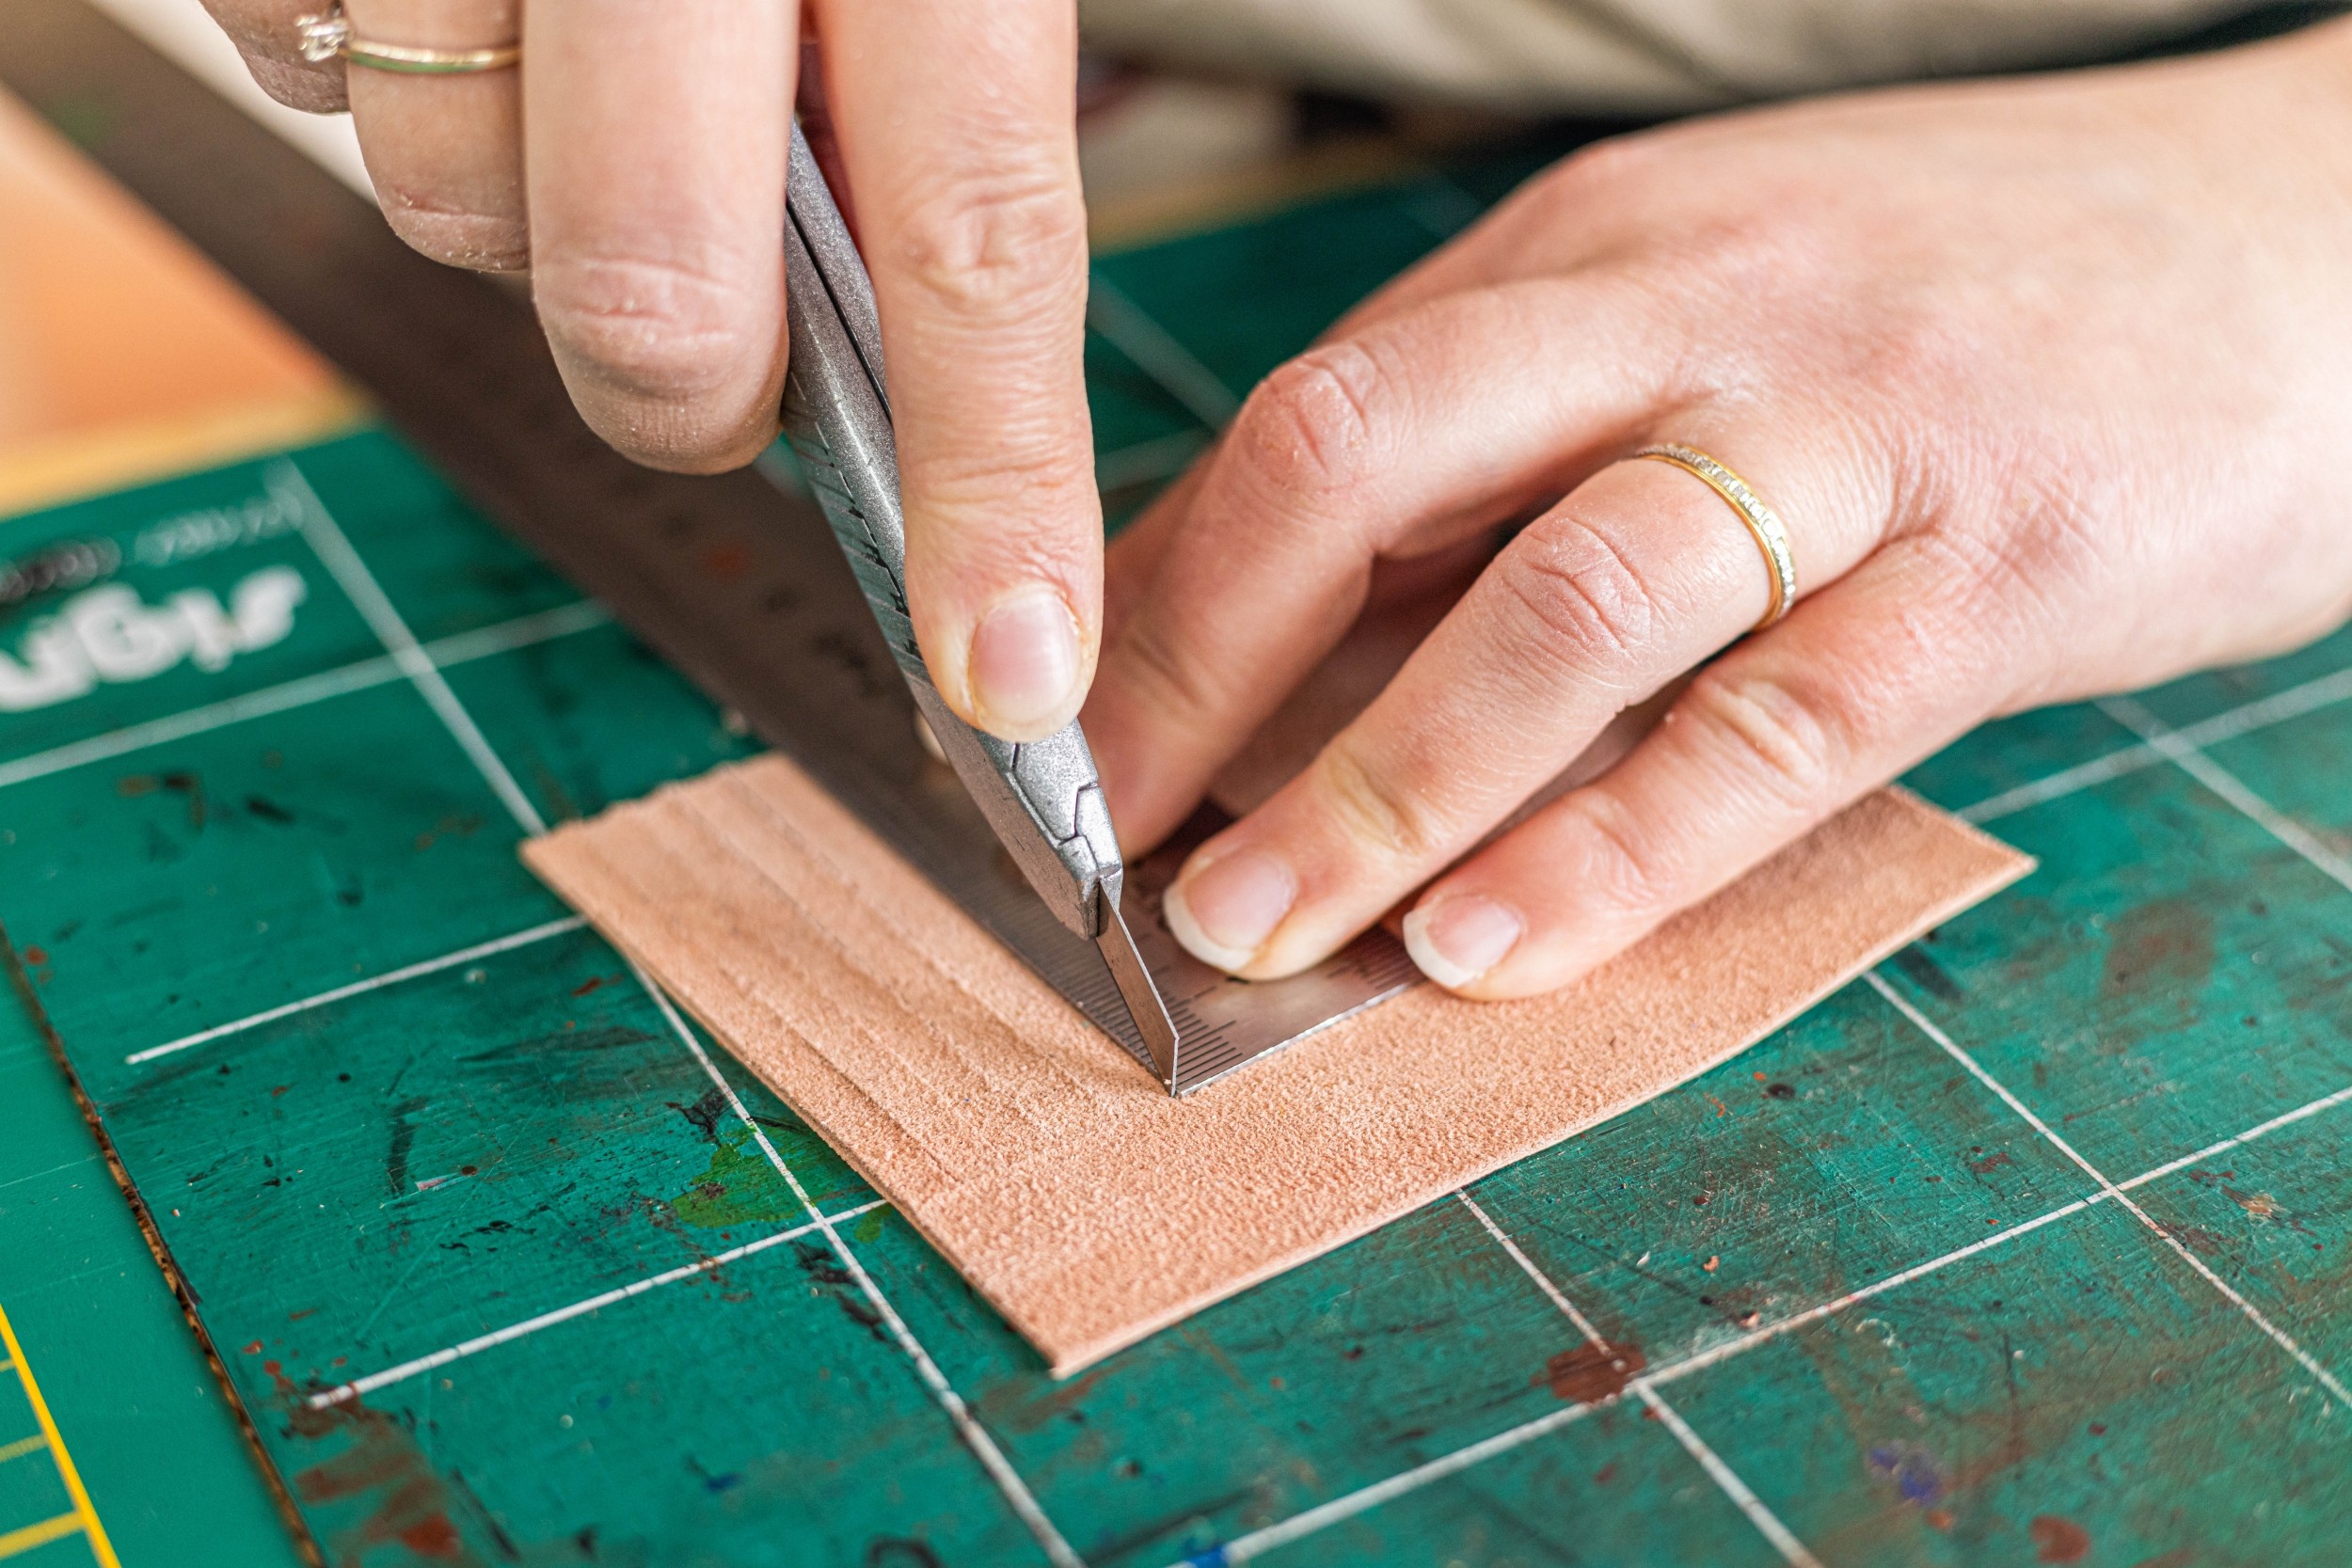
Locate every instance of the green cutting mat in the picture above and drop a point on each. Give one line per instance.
(2030, 1249)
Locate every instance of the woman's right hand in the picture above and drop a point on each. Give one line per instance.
(634, 163)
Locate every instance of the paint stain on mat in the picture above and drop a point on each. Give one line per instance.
(2163, 946)
(2057, 1539)
(406, 1501)
(1591, 1373)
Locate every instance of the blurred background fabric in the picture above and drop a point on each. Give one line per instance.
(1633, 57)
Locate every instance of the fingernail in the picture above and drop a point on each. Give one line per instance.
(1224, 912)
(1023, 664)
(1457, 940)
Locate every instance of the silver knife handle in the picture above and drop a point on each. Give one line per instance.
(1044, 797)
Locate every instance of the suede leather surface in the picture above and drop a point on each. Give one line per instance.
(1086, 1205)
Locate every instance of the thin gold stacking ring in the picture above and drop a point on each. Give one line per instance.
(328, 34)
(1761, 522)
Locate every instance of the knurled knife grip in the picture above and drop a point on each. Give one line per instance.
(1042, 798)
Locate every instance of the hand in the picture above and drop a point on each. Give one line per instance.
(635, 163)
(2050, 381)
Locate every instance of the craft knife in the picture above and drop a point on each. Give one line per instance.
(1044, 797)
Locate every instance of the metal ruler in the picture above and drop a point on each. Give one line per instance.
(736, 579)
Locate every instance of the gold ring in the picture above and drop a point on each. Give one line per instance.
(1770, 537)
(328, 34)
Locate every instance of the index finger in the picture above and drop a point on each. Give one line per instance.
(955, 124)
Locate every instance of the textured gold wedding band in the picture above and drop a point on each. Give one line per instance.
(1770, 536)
(428, 62)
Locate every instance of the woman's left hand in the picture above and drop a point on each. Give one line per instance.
(2050, 381)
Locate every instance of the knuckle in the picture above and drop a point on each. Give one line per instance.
(1603, 164)
(1625, 870)
(1177, 691)
(656, 328)
(1796, 747)
(1375, 809)
(996, 248)
(1577, 598)
(2021, 579)
(1313, 427)
(1020, 497)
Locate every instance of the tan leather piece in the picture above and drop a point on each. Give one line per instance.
(1072, 1192)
